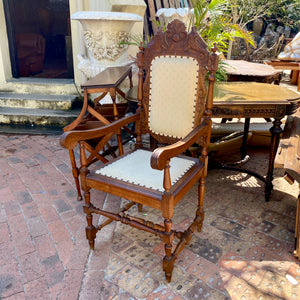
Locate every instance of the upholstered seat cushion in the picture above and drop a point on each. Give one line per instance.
(135, 168)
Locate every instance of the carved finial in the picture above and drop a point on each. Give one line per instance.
(141, 46)
(213, 61)
(214, 48)
(194, 30)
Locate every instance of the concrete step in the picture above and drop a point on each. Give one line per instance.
(36, 101)
(40, 86)
(38, 117)
(13, 129)
(38, 105)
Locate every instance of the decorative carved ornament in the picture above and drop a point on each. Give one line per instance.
(95, 42)
(226, 111)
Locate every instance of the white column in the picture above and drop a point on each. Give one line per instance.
(5, 66)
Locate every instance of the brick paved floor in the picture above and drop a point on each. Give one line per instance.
(243, 252)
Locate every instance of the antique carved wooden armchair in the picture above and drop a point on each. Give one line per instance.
(175, 109)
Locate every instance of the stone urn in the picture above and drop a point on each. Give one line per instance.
(104, 36)
(185, 15)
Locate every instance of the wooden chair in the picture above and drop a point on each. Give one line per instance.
(106, 82)
(175, 109)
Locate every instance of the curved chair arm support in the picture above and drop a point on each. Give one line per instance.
(70, 139)
(161, 156)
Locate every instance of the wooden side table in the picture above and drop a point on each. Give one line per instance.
(294, 66)
(241, 70)
(106, 82)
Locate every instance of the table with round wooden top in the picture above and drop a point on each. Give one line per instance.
(255, 100)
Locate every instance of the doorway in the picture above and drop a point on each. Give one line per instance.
(39, 37)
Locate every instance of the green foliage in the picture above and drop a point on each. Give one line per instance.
(221, 74)
(137, 40)
(214, 22)
(285, 12)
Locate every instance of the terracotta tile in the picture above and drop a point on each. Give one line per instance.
(37, 289)
(44, 246)
(18, 296)
(53, 270)
(74, 225)
(92, 285)
(165, 293)
(205, 248)
(141, 258)
(78, 256)
(23, 243)
(64, 250)
(30, 210)
(58, 231)
(4, 233)
(30, 267)
(202, 291)
(37, 226)
(7, 256)
(294, 270)
(49, 213)
(62, 206)
(136, 282)
(17, 225)
(12, 208)
(23, 196)
(121, 242)
(239, 289)
(143, 239)
(3, 218)
(10, 280)
(115, 264)
(206, 272)
(276, 285)
(71, 284)
(229, 226)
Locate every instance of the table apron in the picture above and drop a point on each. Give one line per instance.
(249, 111)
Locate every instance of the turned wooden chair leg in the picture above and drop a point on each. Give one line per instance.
(168, 261)
(75, 174)
(90, 229)
(200, 211)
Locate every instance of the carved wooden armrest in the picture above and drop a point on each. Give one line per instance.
(161, 156)
(70, 139)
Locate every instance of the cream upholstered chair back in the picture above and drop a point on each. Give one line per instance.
(173, 92)
(175, 65)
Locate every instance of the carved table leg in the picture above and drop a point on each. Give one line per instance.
(245, 138)
(275, 131)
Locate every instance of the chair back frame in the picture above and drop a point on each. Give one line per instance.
(176, 42)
